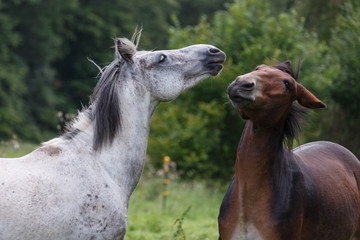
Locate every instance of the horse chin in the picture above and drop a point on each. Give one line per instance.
(215, 62)
(193, 80)
(240, 103)
(215, 69)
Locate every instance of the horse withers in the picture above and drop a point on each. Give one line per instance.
(78, 186)
(309, 193)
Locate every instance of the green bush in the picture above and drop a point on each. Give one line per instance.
(346, 45)
(341, 123)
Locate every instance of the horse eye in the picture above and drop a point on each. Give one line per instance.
(162, 58)
(287, 84)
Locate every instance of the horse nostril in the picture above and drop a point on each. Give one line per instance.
(214, 50)
(247, 85)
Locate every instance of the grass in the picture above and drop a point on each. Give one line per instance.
(191, 212)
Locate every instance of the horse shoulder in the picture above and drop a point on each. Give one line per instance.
(70, 193)
(230, 213)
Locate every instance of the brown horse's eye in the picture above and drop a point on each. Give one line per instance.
(287, 84)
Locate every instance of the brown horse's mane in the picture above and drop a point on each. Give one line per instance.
(297, 113)
(286, 170)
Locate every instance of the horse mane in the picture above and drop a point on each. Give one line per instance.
(287, 185)
(287, 173)
(297, 113)
(106, 113)
(104, 108)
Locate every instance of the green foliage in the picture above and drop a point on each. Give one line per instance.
(154, 16)
(44, 49)
(346, 45)
(12, 74)
(91, 25)
(342, 121)
(187, 135)
(320, 15)
(190, 11)
(30, 41)
(203, 143)
(250, 35)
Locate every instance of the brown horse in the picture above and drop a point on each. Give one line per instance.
(311, 192)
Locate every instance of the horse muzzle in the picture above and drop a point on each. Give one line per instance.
(242, 92)
(214, 60)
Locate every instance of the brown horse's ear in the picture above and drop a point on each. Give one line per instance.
(307, 99)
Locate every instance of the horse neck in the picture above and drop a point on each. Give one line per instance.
(124, 159)
(258, 149)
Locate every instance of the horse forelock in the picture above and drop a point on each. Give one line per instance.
(106, 112)
(287, 67)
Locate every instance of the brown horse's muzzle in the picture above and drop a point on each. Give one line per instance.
(241, 91)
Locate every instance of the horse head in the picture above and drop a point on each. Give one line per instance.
(270, 91)
(278, 186)
(167, 73)
(159, 75)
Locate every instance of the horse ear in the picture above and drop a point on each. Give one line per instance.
(125, 49)
(307, 99)
(117, 52)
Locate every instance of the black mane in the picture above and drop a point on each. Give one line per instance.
(287, 172)
(105, 97)
(107, 106)
(104, 107)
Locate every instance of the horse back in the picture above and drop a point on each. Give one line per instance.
(330, 189)
(325, 151)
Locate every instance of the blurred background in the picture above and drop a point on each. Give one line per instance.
(45, 76)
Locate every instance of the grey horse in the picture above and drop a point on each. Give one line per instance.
(77, 186)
